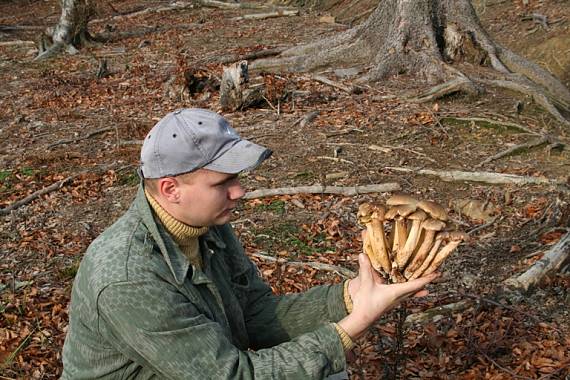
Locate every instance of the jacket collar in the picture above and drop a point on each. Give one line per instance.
(176, 261)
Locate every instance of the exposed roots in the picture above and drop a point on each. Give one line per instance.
(423, 39)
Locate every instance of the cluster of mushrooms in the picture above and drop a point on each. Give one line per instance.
(409, 239)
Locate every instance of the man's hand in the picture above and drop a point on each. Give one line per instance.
(371, 297)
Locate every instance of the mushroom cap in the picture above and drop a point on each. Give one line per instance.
(433, 209)
(400, 210)
(379, 212)
(433, 225)
(365, 211)
(417, 215)
(402, 199)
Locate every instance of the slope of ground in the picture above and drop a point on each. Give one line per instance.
(59, 123)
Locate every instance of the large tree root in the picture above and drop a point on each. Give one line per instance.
(423, 38)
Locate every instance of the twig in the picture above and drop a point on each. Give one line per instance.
(485, 177)
(320, 266)
(483, 226)
(528, 145)
(319, 189)
(336, 159)
(76, 139)
(505, 369)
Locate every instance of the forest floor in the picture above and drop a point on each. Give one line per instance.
(60, 123)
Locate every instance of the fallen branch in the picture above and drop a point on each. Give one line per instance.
(335, 159)
(319, 189)
(493, 122)
(261, 16)
(517, 148)
(76, 139)
(247, 57)
(485, 177)
(538, 96)
(173, 7)
(55, 186)
(17, 43)
(327, 81)
(224, 5)
(431, 315)
(461, 84)
(552, 260)
(320, 266)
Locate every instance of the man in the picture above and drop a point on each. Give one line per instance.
(168, 292)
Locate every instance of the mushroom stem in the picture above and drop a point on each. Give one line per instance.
(421, 254)
(379, 243)
(401, 234)
(403, 257)
(370, 247)
(425, 264)
(441, 256)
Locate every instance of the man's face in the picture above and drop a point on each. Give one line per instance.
(207, 198)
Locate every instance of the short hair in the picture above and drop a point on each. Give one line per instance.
(151, 184)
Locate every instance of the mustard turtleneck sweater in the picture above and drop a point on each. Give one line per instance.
(184, 235)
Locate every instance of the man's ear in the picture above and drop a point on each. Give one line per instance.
(169, 189)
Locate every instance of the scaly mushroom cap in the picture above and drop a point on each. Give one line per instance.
(433, 225)
(433, 209)
(364, 214)
(401, 210)
(402, 199)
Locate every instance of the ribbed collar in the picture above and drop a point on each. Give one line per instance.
(182, 233)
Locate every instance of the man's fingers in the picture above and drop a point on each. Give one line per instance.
(411, 287)
(365, 268)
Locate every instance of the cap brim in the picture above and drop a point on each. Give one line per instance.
(243, 156)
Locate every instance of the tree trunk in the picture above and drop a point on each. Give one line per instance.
(71, 31)
(423, 38)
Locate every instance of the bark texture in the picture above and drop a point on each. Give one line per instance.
(424, 38)
(71, 31)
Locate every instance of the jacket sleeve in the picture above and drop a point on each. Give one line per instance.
(155, 325)
(272, 319)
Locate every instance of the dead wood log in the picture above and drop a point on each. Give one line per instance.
(320, 189)
(311, 264)
(485, 177)
(517, 148)
(262, 16)
(234, 91)
(552, 260)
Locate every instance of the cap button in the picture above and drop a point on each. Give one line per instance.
(177, 112)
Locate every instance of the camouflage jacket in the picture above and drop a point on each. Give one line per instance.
(139, 310)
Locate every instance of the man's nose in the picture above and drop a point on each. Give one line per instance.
(236, 192)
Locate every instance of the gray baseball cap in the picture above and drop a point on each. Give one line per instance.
(189, 139)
